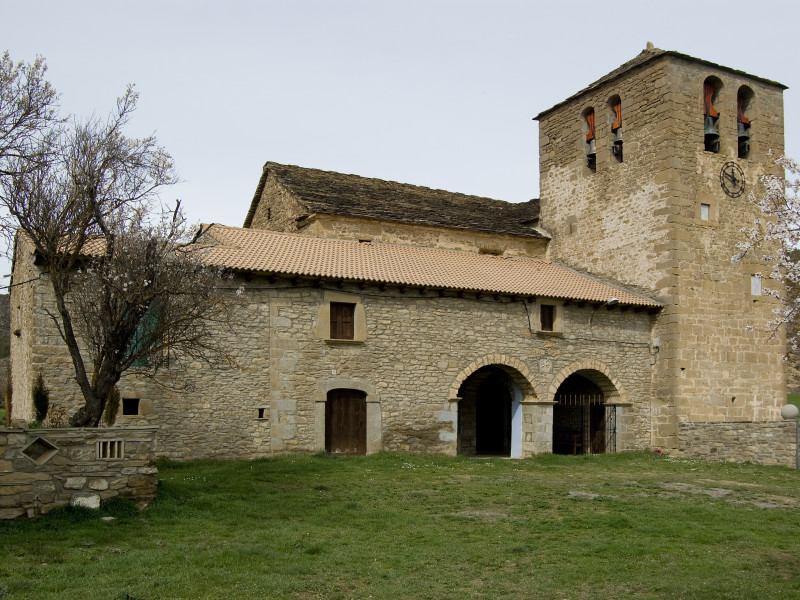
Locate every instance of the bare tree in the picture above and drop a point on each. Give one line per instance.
(776, 237)
(130, 291)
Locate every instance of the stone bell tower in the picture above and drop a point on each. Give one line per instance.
(645, 177)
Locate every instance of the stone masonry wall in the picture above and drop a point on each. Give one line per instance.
(418, 348)
(763, 443)
(42, 469)
(638, 221)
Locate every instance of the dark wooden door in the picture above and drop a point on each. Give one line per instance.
(346, 422)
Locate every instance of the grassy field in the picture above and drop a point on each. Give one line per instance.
(793, 399)
(399, 526)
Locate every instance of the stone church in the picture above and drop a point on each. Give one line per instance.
(604, 316)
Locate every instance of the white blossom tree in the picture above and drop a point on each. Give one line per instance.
(130, 289)
(776, 237)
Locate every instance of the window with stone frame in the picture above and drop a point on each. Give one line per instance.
(342, 320)
(547, 317)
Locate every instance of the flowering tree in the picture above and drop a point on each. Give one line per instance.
(777, 234)
(130, 290)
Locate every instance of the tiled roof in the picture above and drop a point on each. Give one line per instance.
(268, 252)
(644, 57)
(333, 193)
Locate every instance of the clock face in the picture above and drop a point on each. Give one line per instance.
(731, 177)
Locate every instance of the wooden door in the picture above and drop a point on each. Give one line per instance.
(346, 422)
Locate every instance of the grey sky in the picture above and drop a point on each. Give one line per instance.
(438, 93)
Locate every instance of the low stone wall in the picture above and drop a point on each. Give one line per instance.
(41, 469)
(765, 443)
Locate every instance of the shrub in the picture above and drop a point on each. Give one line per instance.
(119, 507)
(41, 398)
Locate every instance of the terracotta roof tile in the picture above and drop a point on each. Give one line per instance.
(262, 251)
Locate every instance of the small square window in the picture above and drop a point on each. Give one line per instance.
(130, 407)
(755, 285)
(263, 413)
(342, 320)
(705, 210)
(547, 319)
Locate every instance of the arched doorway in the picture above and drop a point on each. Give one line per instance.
(582, 422)
(489, 415)
(346, 422)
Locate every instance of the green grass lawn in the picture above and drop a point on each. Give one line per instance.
(793, 399)
(426, 527)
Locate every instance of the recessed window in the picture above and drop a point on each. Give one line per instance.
(547, 317)
(711, 88)
(111, 449)
(755, 285)
(342, 320)
(130, 407)
(615, 104)
(705, 212)
(591, 144)
(743, 101)
(263, 413)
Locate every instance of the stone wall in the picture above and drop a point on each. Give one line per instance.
(418, 348)
(770, 443)
(639, 221)
(42, 469)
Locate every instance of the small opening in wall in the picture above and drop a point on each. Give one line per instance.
(591, 144)
(705, 210)
(110, 449)
(755, 285)
(547, 317)
(130, 407)
(711, 89)
(262, 413)
(40, 451)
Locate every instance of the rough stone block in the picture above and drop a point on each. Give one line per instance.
(74, 483)
(86, 500)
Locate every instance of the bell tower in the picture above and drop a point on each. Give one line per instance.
(645, 177)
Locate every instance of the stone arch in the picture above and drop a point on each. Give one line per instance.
(514, 368)
(613, 391)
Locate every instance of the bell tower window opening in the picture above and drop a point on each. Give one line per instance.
(711, 88)
(616, 127)
(743, 101)
(591, 145)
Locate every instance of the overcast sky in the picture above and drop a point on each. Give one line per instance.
(439, 93)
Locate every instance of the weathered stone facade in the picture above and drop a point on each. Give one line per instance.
(641, 221)
(43, 469)
(481, 368)
(416, 352)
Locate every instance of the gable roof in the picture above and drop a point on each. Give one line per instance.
(646, 56)
(271, 252)
(333, 193)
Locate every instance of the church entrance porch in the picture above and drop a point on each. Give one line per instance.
(582, 421)
(489, 414)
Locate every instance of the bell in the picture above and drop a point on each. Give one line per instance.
(709, 128)
(592, 147)
(743, 130)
